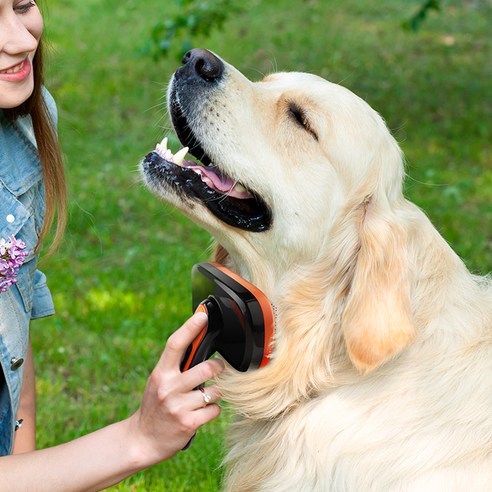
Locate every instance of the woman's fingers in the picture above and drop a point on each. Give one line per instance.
(171, 409)
(179, 341)
(206, 414)
(175, 348)
(205, 396)
(172, 383)
(205, 371)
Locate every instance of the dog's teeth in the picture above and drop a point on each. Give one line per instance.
(179, 156)
(162, 150)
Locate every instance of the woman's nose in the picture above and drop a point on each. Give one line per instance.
(15, 37)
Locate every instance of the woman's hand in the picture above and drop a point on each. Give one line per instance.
(171, 410)
(168, 417)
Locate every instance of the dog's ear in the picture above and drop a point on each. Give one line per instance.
(377, 322)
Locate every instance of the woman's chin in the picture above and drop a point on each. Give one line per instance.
(13, 96)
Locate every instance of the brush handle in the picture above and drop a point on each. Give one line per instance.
(200, 350)
(202, 346)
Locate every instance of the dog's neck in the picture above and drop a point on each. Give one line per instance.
(310, 340)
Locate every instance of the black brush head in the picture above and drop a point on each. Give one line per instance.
(240, 319)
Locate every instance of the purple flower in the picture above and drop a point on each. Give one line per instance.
(12, 257)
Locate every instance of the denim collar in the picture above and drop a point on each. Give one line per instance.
(19, 161)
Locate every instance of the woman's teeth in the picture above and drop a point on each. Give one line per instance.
(15, 69)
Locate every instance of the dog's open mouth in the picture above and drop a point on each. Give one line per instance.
(227, 199)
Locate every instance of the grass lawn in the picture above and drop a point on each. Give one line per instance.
(121, 279)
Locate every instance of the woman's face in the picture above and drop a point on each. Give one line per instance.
(21, 26)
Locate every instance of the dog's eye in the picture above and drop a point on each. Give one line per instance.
(299, 116)
(296, 113)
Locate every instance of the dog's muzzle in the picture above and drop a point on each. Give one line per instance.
(191, 90)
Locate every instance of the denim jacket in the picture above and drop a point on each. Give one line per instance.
(22, 211)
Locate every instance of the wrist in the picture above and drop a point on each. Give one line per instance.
(142, 452)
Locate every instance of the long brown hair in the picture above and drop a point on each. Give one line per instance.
(49, 155)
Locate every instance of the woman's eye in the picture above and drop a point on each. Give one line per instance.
(24, 7)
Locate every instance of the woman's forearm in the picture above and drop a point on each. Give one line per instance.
(25, 436)
(92, 462)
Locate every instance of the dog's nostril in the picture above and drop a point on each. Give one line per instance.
(186, 57)
(204, 64)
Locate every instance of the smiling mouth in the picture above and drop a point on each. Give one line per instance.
(18, 72)
(14, 69)
(224, 197)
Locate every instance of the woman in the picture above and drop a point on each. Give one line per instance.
(32, 194)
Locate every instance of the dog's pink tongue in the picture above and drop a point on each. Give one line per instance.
(217, 181)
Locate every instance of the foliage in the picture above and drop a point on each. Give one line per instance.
(193, 18)
(416, 21)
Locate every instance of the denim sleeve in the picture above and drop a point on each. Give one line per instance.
(42, 304)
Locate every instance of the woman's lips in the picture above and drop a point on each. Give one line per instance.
(16, 73)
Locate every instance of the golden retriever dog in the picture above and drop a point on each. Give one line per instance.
(381, 373)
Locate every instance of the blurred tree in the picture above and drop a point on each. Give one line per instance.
(194, 18)
(200, 17)
(419, 17)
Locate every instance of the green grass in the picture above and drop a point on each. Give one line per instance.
(121, 279)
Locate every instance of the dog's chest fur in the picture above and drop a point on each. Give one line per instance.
(394, 431)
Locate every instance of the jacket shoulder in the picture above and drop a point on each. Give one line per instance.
(50, 105)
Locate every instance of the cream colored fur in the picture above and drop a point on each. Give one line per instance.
(381, 375)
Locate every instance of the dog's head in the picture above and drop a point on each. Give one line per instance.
(291, 165)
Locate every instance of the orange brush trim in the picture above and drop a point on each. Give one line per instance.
(266, 309)
(198, 340)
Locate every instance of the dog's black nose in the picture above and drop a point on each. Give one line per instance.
(204, 64)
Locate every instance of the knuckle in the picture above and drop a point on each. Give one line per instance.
(175, 411)
(187, 424)
(207, 371)
(159, 380)
(216, 411)
(164, 390)
(163, 394)
(173, 343)
(155, 379)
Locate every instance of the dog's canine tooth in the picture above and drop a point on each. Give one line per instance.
(163, 151)
(180, 155)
